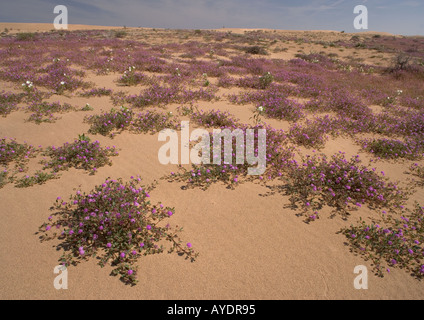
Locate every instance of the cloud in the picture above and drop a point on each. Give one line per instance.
(199, 14)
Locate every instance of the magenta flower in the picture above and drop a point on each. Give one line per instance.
(122, 254)
(189, 245)
(109, 245)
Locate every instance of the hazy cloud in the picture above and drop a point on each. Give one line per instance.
(277, 14)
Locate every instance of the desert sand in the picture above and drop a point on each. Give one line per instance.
(251, 246)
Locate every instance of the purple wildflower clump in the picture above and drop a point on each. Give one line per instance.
(8, 102)
(115, 120)
(342, 184)
(152, 121)
(81, 154)
(115, 222)
(314, 133)
(214, 119)
(279, 160)
(394, 148)
(283, 109)
(12, 151)
(59, 77)
(400, 243)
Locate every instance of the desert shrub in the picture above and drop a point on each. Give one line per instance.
(397, 244)
(116, 223)
(120, 34)
(81, 154)
(25, 36)
(256, 50)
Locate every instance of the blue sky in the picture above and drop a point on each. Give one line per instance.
(398, 17)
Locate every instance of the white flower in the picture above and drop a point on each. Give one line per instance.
(28, 82)
(62, 83)
(261, 109)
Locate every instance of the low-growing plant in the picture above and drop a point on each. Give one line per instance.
(115, 120)
(25, 36)
(116, 223)
(131, 77)
(152, 121)
(8, 102)
(309, 135)
(397, 244)
(12, 151)
(96, 92)
(342, 184)
(266, 80)
(40, 177)
(44, 111)
(418, 171)
(255, 50)
(4, 179)
(81, 154)
(87, 107)
(279, 157)
(214, 118)
(393, 148)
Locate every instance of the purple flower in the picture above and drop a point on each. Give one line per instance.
(189, 245)
(109, 245)
(130, 272)
(122, 254)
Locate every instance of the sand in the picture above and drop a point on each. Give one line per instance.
(250, 245)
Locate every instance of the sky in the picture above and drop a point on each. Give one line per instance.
(397, 17)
